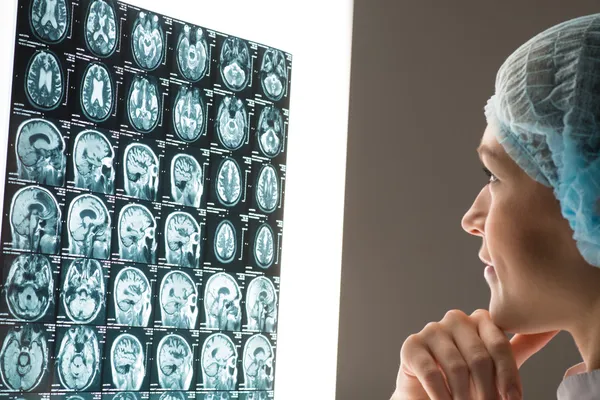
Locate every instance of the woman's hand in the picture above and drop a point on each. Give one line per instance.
(464, 357)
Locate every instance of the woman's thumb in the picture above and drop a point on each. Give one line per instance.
(526, 345)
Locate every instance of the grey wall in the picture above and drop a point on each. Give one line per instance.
(422, 72)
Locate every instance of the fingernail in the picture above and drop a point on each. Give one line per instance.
(513, 394)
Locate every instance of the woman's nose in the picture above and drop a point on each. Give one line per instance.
(473, 221)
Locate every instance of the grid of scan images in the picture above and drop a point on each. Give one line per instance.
(143, 211)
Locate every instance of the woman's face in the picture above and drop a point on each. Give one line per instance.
(541, 281)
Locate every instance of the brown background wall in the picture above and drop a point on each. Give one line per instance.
(422, 72)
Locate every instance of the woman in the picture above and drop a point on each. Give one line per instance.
(539, 220)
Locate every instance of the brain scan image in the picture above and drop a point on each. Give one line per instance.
(273, 74)
(78, 359)
(187, 181)
(222, 303)
(143, 104)
(173, 395)
(174, 360)
(97, 92)
(229, 182)
(182, 240)
(137, 234)
(132, 297)
(127, 362)
(35, 220)
(232, 122)
(258, 363)
(270, 131)
(219, 363)
(264, 246)
(49, 19)
(29, 287)
(44, 83)
(24, 358)
(147, 41)
(40, 152)
(126, 396)
(192, 53)
(261, 305)
(235, 63)
(255, 396)
(225, 242)
(83, 293)
(89, 227)
(178, 300)
(267, 189)
(141, 171)
(93, 157)
(216, 396)
(189, 114)
(101, 28)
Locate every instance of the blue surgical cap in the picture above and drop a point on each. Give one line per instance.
(547, 109)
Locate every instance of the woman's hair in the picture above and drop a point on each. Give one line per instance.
(547, 109)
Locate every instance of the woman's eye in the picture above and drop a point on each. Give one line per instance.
(492, 177)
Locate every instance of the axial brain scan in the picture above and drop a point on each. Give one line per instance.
(225, 242)
(222, 303)
(178, 300)
(44, 84)
(219, 360)
(49, 19)
(141, 171)
(94, 157)
(40, 151)
(229, 182)
(101, 28)
(267, 190)
(189, 114)
(35, 221)
(97, 92)
(270, 131)
(258, 363)
(126, 396)
(137, 230)
(173, 395)
(83, 293)
(264, 246)
(78, 358)
(89, 227)
(174, 360)
(29, 287)
(235, 63)
(127, 362)
(215, 396)
(261, 305)
(24, 357)
(232, 122)
(192, 54)
(182, 240)
(273, 74)
(147, 41)
(143, 104)
(255, 396)
(132, 297)
(187, 183)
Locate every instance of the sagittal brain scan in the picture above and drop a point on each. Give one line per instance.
(178, 300)
(229, 182)
(174, 359)
(93, 157)
(189, 114)
(222, 303)
(255, 396)
(44, 83)
(232, 122)
(128, 365)
(83, 292)
(182, 240)
(24, 357)
(35, 220)
(216, 396)
(29, 287)
(225, 242)
(173, 395)
(267, 189)
(261, 305)
(264, 246)
(192, 53)
(187, 180)
(132, 297)
(273, 74)
(89, 227)
(49, 19)
(101, 28)
(143, 104)
(258, 363)
(97, 92)
(137, 234)
(140, 169)
(235, 63)
(147, 40)
(40, 151)
(78, 358)
(270, 131)
(219, 362)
